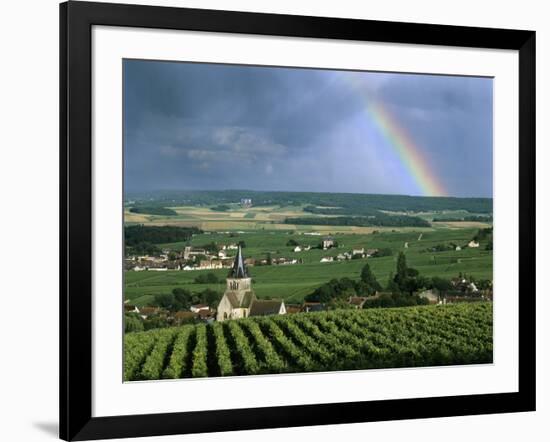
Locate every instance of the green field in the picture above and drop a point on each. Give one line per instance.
(293, 282)
(308, 342)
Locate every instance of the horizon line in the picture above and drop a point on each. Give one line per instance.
(303, 191)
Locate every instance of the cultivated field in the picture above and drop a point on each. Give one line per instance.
(305, 342)
(271, 218)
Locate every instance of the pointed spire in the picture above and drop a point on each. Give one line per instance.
(239, 269)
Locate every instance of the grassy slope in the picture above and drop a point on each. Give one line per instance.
(295, 281)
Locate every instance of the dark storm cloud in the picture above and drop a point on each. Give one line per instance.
(201, 126)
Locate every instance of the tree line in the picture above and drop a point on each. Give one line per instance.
(362, 221)
(140, 239)
(348, 203)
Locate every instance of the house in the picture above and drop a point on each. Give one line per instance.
(371, 252)
(341, 257)
(128, 308)
(222, 254)
(297, 249)
(182, 317)
(206, 315)
(473, 244)
(458, 248)
(357, 301)
(239, 300)
(190, 252)
(327, 259)
(293, 308)
(360, 251)
(268, 307)
(210, 264)
(246, 203)
(146, 312)
(199, 307)
(328, 242)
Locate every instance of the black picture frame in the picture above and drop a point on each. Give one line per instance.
(76, 21)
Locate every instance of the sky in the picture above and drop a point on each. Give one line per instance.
(197, 126)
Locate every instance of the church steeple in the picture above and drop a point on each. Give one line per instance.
(239, 269)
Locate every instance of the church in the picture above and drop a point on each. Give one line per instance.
(239, 300)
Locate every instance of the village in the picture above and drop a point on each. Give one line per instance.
(239, 299)
(213, 257)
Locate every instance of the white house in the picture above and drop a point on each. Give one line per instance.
(473, 244)
(199, 307)
(297, 249)
(328, 242)
(327, 259)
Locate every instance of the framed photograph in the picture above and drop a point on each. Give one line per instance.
(273, 220)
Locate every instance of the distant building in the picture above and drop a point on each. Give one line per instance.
(327, 259)
(268, 307)
(190, 252)
(198, 307)
(128, 308)
(357, 301)
(246, 203)
(293, 308)
(360, 251)
(328, 242)
(371, 252)
(297, 249)
(473, 244)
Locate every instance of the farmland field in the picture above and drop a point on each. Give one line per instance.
(293, 282)
(325, 341)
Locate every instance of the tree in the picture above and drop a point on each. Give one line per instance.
(183, 297)
(292, 243)
(242, 244)
(442, 285)
(401, 268)
(210, 297)
(392, 286)
(370, 280)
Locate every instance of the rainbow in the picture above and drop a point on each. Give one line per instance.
(404, 147)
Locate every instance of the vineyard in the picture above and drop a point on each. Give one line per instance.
(306, 342)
